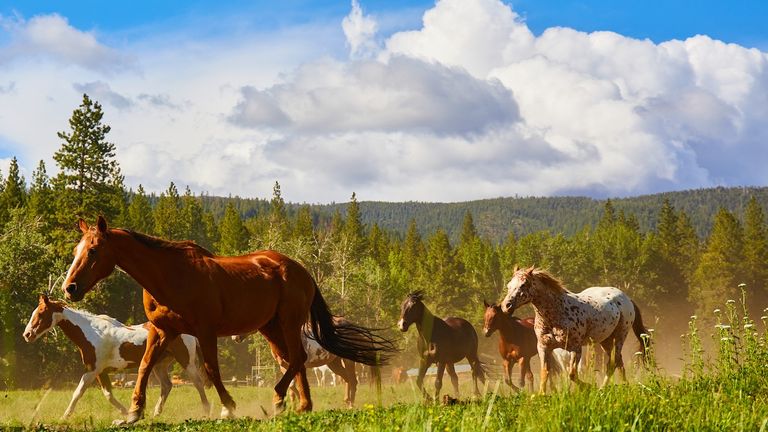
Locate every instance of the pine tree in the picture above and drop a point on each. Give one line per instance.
(441, 275)
(89, 174)
(14, 193)
(720, 270)
(507, 256)
(413, 250)
(193, 225)
(140, 217)
(756, 252)
(353, 227)
(276, 236)
(167, 214)
(233, 236)
(40, 195)
(468, 230)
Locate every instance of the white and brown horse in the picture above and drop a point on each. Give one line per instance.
(570, 320)
(108, 345)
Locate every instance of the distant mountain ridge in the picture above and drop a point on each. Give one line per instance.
(494, 218)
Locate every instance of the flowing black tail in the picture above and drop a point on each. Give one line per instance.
(347, 340)
(639, 328)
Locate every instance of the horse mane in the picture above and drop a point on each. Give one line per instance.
(158, 243)
(416, 295)
(107, 318)
(550, 281)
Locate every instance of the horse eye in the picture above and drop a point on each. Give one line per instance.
(91, 252)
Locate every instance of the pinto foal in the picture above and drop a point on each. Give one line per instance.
(517, 342)
(108, 345)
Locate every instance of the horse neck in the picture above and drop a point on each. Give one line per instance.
(509, 328)
(143, 263)
(549, 304)
(426, 325)
(73, 322)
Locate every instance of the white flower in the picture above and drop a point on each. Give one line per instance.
(693, 317)
(730, 301)
(717, 311)
(742, 285)
(748, 326)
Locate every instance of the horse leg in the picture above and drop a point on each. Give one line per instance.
(161, 374)
(284, 336)
(477, 371)
(194, 375)
(610, 364)
(545, 357)
(346, 370)
(508, 366)
(521, 382)
(85, 380)
(454, 378)
(525, 369)
(573, 367)
(439, 379)
(106, 389)
(208, 346)
(157, 342)
(423, 366)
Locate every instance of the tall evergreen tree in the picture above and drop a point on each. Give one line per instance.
(468, 230)
(756, 252)
(14, 194)
(720, 270)
(89, 174)
(193, 224)
(40, 196)
(167, 214)
(140, 217)
(233, 236)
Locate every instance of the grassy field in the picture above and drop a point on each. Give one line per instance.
(725, 389)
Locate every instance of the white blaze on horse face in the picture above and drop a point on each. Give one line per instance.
(509, 304)
(31, 333)
(401, 325)
(79, 249)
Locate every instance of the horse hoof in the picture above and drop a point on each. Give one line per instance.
(279, 406)
(134, 416)
(226, 413)
(118, 422)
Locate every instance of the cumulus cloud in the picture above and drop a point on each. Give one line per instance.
(101, 91)
(52, 37)
(564, 112)
(470, 104)
(360, 31)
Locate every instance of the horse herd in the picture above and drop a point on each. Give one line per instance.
(192, 296)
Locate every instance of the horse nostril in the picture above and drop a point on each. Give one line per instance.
(71, 288)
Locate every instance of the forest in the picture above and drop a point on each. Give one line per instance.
(676, 254)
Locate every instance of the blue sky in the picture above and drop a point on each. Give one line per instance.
(398, 100)
(741, 22)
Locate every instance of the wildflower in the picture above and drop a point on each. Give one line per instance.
(638, 353)
(650, 330)
(717, 311)
(764, 317)
(725, 339)
(645, 336)
(723, 326)
(742, 285)
(693, 317)
(730, 301)
(748, 326)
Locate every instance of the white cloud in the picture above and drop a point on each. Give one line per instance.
(472, 104)
(52, 37)
(360, 31)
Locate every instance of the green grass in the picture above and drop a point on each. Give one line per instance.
(726, 389)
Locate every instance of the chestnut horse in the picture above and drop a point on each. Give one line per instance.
(517, 342)
(570, 320)
(187, 289)
(444, 342)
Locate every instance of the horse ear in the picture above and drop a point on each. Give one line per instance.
(530, 269)
(102, 224)
(486, 303)
(44, 299)
(517, 267)
(83, 225)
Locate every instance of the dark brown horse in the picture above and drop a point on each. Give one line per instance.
(187, 289)
(517, 342)
(441, 341)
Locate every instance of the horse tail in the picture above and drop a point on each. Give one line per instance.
(347, 340)
(640, 332)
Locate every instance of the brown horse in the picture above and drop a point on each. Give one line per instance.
(517, 342)
(444, 342)
(187, 289)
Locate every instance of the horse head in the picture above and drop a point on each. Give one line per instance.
(411, 310)
(46, 315)
(491, 319)
(519, 290)
(93, 260)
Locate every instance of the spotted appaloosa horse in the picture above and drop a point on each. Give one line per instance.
(442, 341)
(107, 345)
(570, 320)
(188, 289)
(517, 342)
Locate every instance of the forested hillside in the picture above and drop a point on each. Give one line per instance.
(675, 254)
